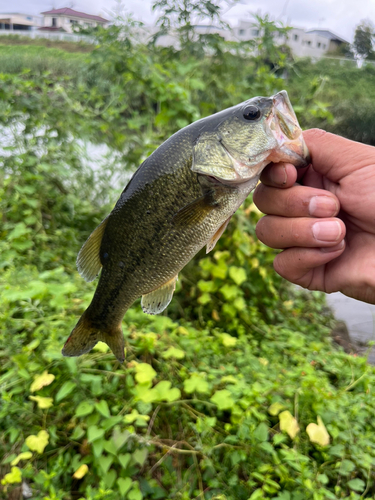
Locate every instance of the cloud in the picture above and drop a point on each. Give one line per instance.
(336, 15)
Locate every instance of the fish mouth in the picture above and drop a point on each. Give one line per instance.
(284, 126)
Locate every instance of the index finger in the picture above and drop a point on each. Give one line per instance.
(335, 157)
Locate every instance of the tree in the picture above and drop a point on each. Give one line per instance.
(272, 49)
(363, 39)
(181, 17)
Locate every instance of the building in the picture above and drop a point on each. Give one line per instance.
(65, 19)
(15, 21)
(313, 43)
(303, 43)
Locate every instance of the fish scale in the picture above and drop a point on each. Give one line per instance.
(180, 199)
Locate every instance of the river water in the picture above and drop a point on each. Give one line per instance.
(359, 318)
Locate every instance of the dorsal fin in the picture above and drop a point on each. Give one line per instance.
(88, 259)
(156, 301)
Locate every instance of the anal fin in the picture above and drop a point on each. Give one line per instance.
(215, 238)
(88, 259)
(156, 301)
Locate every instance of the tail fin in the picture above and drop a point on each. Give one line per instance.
(85, 336)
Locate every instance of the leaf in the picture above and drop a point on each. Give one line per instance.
(257, 494)
(41, 381)
(105, 463)
(230, 292)
(288, 424)
(173, 352)
(165, 392)
(140, 455)
(124, 485)
(102, 408)
(346, 467)
(124, 460)
(161, 392)
(119, 438)
(196, 383)
(110, 447)
(97, 447)
(43, 403)
(94, 433)
(81, 471)
(261, 432)
(228, 340)
(223, 399)
(356, 484)
(135, 494)
(22, 456)
(144, 373)
(238, 274)
(39, 442)
(275, 408)
(318, 433)
(110, 478)
(14, 476)
(65, 389)
(84, 408)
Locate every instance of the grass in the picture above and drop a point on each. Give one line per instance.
(39, 58)
(45, 42)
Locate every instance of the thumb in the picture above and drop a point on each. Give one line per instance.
(336, 157)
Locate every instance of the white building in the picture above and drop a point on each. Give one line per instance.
(313, 43)
(303, 43)
(65, 19)
(11, 21)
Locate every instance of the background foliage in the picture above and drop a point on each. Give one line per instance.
(236, 392)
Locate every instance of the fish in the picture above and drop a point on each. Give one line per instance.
(180, 199)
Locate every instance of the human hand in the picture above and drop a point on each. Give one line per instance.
(310, 221)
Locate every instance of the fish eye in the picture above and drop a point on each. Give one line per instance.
(251, 112)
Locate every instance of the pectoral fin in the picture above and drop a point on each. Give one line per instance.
(155, 302)
(88, 259)
(215, 238)
(197, 211)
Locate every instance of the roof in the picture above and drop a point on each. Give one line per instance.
(327, 34)
(74, 13)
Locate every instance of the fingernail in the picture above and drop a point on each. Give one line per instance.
(333, 249)
(278, 175)
(327, 231)
(323, 206)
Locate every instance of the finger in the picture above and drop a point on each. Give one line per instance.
(305, 266)
(309, 177)
(297, 201)
(335, 157)
(279, 175)
(285, 232)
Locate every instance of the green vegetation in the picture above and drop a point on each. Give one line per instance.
(45, 42)
(236, 393)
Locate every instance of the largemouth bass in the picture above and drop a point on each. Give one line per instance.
(180, 199)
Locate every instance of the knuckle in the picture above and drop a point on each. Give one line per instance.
(316, 133)
(292, 202)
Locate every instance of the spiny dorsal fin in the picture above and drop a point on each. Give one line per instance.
(88, 259)
(215, 238)
(155, 302)
(197, 211)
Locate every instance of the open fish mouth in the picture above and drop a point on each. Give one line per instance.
(285, 128)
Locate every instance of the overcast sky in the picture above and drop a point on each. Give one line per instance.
(340, 16)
